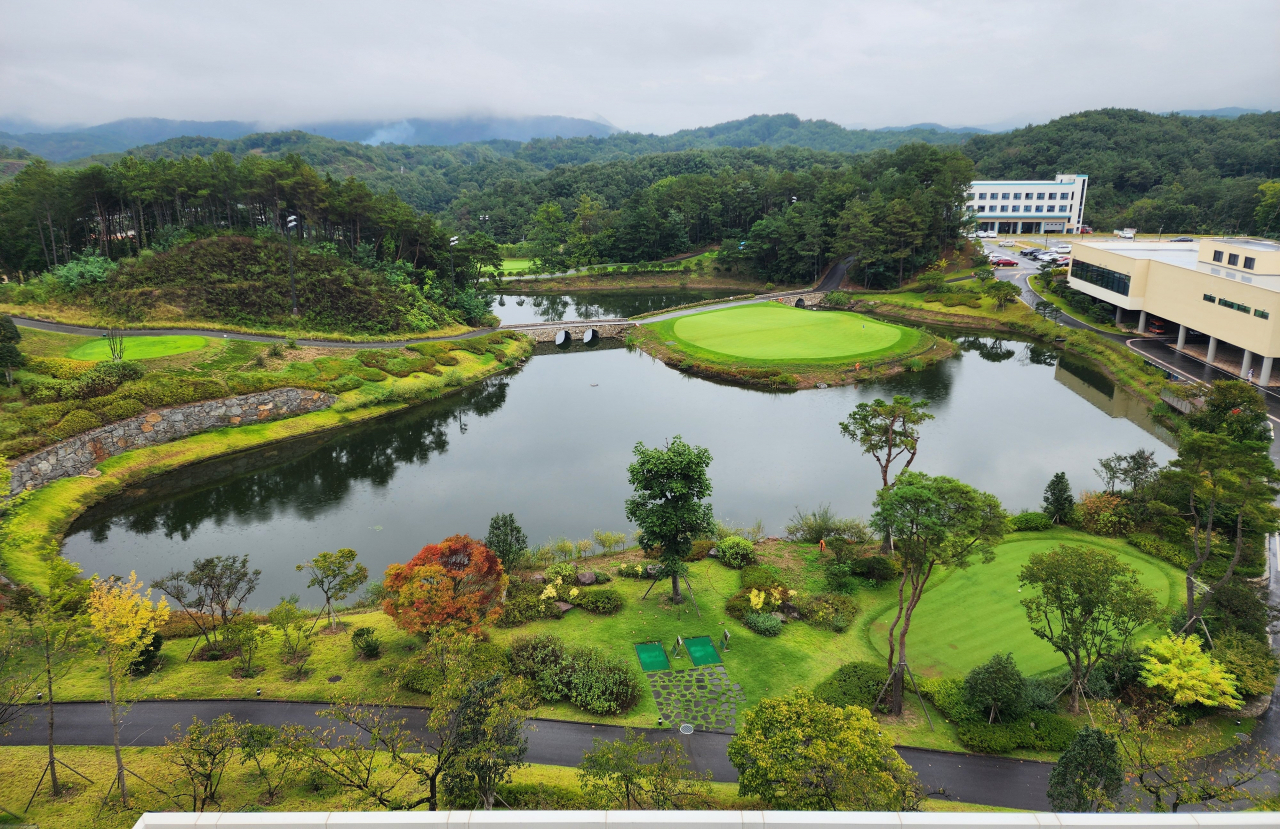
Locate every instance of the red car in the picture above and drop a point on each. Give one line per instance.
(1004, 262)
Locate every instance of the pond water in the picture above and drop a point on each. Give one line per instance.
(589, 305)
(551, 443)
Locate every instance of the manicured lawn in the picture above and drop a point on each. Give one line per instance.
(800, 656)
(771, 332)
(139, 348)
(973, 613)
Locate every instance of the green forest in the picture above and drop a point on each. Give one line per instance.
(779, 197)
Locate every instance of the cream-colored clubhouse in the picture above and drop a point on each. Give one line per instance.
(1225, 289)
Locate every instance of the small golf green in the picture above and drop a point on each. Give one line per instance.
(701, 651)
(653, 657)
(976, 612)
(139, 348)
(772, 331)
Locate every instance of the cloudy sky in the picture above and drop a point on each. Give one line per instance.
(653, 66)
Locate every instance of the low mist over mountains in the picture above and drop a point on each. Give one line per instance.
(72, 143)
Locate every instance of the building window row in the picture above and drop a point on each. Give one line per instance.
(1226, 303)
(1004, 208)
(1102, 277)
(1027, 196)
(1233, 259)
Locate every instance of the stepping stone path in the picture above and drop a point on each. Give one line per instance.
(703, 697)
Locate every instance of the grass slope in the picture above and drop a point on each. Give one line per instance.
(770, 331)
(973, 613)
(140, 348)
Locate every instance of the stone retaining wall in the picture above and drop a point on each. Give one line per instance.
(81, 453)
(810, 300)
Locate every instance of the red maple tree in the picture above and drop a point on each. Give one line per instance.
(458, 581)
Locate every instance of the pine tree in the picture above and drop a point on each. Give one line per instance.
(1087, 777)
(1058, 502)
(10, 356)
(506, 540)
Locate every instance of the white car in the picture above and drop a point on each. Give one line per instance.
(986, 234)
(1008, 243)
(1062, 248)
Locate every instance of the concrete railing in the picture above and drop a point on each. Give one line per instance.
(701, 820)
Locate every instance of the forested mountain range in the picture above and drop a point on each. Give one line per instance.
(783, 209)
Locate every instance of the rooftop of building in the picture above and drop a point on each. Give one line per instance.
(1187, 255)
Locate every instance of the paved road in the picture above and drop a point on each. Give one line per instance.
(995, 781)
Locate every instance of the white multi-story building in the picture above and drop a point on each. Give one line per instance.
(1030, 206)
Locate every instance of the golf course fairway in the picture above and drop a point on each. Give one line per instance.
(770, 331)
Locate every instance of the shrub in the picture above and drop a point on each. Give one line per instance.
(996, 688)
(601, 683)
(856, 683)
(348, 382)
(948, 696)
(823, 523)
(601, 602)
(633, 571)
(525, 605)
(736, 552)
(541, 796)
(700, 549)
(149, 657)
(60, 367)
(372, 375)
(1031, 522)
(366, 642)
(822, 609)
(544, 661)
(1248, 659)
(122, 409)
(988, 739)
(447, 360)
(76, 421)
(566, 571)
(876, 568)
(1102, 513)
(1157, 547)
(756, 577)
(765, 624)
(1039, 694)
(1051, 732)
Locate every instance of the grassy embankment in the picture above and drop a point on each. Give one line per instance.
(774, 345)
(943, 643)
(34, 526)
(1115, 360)
(234, 284)
(1062, 305)
(242, 789)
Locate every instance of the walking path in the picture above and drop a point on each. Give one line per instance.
(967, 778)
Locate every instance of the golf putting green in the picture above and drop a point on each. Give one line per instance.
(974, 613)
(653, 657)
(139, 348)
(701, 651)
(772, 331)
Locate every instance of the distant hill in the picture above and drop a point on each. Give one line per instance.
(1223, 112)
(464, 130)
(119, 136)
(936, 128)
(1146, 170)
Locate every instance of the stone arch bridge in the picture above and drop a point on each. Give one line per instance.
(579, 330)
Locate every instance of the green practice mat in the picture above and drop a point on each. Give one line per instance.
(701, 651)
(653, 657)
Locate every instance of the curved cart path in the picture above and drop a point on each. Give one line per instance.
(994, 781)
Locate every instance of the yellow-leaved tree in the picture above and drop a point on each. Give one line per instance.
(124, 621)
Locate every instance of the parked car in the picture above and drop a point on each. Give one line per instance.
(1029, 253)
(986, 234)
(1004, 262)
(1062, 247)
(1156, 326)
(1182, 239)
(1126, 233)
(1086, 229)
(1008, 243)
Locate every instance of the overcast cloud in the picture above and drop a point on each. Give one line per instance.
(648, 66)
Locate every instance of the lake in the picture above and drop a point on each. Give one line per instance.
(551, 442)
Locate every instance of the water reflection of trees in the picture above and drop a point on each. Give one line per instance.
(306, 478)
(988, 348)
(608, 305)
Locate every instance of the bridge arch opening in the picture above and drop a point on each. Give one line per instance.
(591, 338)
(564, 339)
(800, 302)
